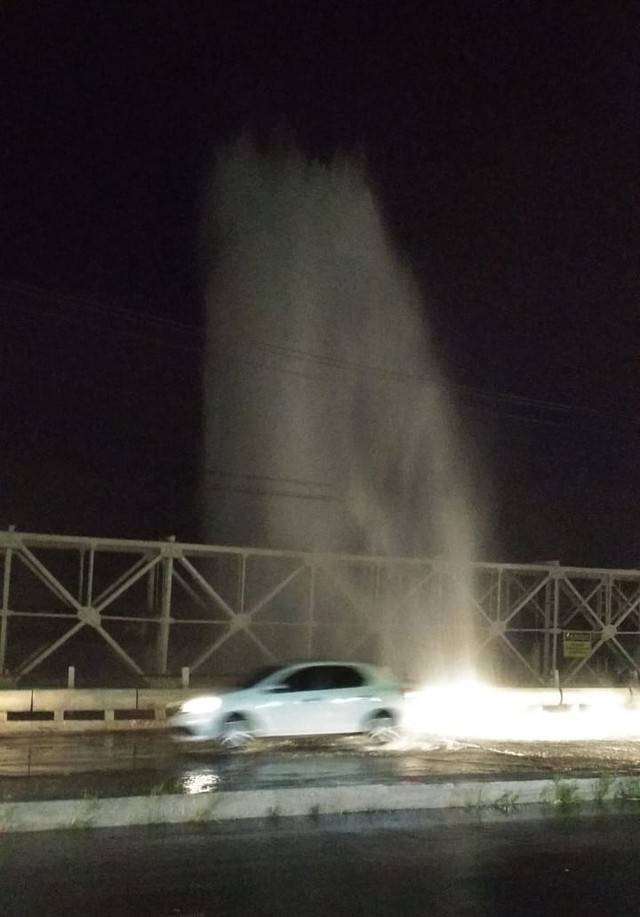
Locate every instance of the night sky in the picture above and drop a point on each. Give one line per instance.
(502, 140)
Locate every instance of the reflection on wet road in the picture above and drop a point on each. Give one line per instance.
(124, 763)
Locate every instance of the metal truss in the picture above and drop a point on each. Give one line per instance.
(158, 606)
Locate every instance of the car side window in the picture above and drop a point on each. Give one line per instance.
(323, 678)
(333, 678)
(343, 676)
(302, 679)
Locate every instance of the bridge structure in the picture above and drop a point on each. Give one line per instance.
(154, 607)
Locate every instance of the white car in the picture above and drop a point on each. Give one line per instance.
(305, 699)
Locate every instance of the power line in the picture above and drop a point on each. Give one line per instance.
(110, 310)
(278, 349)
(121, 332)
(421, 379)
(265, 477)
(296, 495)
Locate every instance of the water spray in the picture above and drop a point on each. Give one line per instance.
(329, 424)
(472, 710)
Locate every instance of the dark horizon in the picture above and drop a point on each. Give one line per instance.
(503, 146)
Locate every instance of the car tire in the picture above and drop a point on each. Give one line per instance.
(382, 728)
(236, 732)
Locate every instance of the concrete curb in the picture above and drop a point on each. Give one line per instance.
(498, 796)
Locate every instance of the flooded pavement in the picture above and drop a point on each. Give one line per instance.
(117, 764)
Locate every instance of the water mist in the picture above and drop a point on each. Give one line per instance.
(328, 424)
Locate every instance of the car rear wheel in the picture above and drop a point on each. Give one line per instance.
(236, 732)
(382, 728)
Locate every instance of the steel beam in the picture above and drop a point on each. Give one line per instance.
(165, 614)
(531, 604)
(4, 620)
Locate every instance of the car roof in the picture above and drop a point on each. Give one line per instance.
(292, 666)
(293, 663)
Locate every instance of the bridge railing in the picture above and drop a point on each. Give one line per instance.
(154, 607)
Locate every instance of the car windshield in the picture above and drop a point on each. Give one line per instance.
(256, 677)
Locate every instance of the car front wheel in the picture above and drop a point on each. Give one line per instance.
(236, 732)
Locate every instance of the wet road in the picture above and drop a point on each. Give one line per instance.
(126, 763)
(574, 867)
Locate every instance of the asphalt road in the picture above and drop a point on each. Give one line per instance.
(574, 867)
(125, 763)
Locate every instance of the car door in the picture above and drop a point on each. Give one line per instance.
(297, 704)
(351, 698)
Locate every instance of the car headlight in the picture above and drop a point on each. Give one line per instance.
(201, 705)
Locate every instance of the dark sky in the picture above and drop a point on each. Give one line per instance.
(502, 139)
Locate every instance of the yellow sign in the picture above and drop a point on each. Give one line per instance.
(576, 644)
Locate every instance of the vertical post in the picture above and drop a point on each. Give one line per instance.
(384, 656)
(546, 637)
(444, 612)
(608, 599)
(556, 622)
(165, 611)
(503, 603)
(185, 675)
(499, 601)
(311, 610)
(152, 579)
(242, 584)
(71, 676)
(4, 612)
(92, 560)
(388, 623)
(81, 565)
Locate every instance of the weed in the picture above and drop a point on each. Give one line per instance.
(204, 814)
(628, 789)
(603, 788)
(165, 787)
(84, 821)
(565, 795)
(8, 815)
(471, 801)
(506, 803)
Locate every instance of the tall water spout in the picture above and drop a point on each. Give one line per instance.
(328, 424)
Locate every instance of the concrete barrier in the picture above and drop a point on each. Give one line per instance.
(81, 709)
(494, 798)
(85, 709)
(16, 701)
